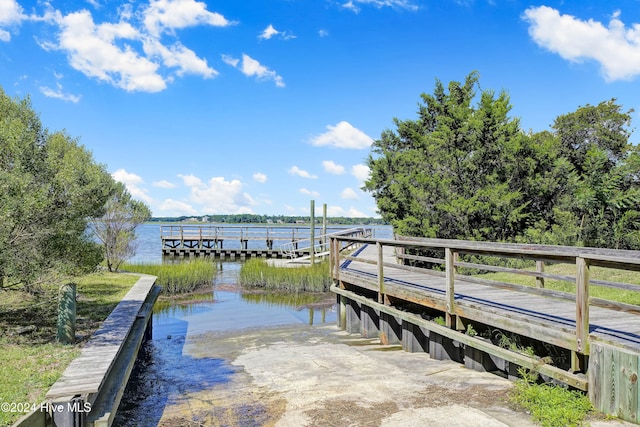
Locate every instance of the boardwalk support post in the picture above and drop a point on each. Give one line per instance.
(582, 314)
(449, 278)
(381, 296)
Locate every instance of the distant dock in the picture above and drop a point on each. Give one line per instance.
(241, 242)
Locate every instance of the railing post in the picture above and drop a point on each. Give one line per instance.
(450, 273)
(582, 305)
(381, 297)
(540, 269)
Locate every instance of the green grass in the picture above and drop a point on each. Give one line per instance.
(179, 278)
(595, 291)
(256, 273)
(30, 359)
(549, 405)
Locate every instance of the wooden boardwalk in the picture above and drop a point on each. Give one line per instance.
(390, 288)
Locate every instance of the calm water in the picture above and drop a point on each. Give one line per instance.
(166, 372)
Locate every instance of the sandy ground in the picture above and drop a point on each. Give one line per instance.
(319, 376)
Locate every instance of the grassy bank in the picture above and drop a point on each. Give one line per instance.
(30, 359)
(178, 278)
(257, 273)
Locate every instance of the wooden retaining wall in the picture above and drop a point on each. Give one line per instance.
(90, 389)
(389, 289)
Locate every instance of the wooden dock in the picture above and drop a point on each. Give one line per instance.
(427, 295)
(240, 242)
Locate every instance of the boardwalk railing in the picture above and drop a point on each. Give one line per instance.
(320, 243)
(413, 280)
(409, 254)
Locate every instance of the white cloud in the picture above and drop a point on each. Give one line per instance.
(323, 33)
(331, 167)
(172, 207)
(169, 15)
(221, 196)
(58, 93)
(309, 192)
(349, 194)
(295, 170)
(191, 180)
(250, 67)
(260, 177)
(92, 50)
(354, 5)
(361, 172)
(270, 31)
(350, 213)
(615, 47)
(343, 135)
(10, 14)
(164, 184)
(132, 182)
(179, 56)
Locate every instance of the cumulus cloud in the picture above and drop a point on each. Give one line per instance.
(10, 14)
(295, 170)
(270, 32)
(191, 180)
(323, 33)
(361, 172)
(172, 207)
(164, 184)
(333, 168)
(221, 196)
(354, 5)
(615, 47)
(134, 52)
(132, 182)
(309, 192)
(260, 177)
(58, 93)
(169, 15)
(252, 68)
(350, 213)
(343, 135)
(349, 194)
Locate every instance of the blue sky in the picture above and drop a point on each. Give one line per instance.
(217, 107)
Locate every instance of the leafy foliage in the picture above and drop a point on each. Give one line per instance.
(465, 170)
(49, 186)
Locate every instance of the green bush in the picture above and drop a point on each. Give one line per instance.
(550, 405)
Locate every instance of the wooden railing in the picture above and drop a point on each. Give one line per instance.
(445, 258)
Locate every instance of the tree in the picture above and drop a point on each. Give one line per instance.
(449, 174)
(49, 186)
(116, 227)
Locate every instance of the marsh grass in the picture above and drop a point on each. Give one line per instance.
(31, 361)
(256, 273)
(179, 278)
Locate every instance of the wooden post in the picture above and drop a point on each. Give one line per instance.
(324, 227)
(312, 238)
(582, 305)
(540, 269)
(67, 314)
(450, 274)
(380, 274)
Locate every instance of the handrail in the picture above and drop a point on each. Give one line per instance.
(582, 257)
(320, 244)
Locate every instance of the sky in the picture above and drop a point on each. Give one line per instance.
(260, 106)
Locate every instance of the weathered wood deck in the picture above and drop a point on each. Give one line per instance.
(600, 338)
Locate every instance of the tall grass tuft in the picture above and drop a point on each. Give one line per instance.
(256, 273)
(178, 278)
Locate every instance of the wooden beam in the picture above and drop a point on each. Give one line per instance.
(582, 305)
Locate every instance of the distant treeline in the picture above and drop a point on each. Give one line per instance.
(269, 219)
